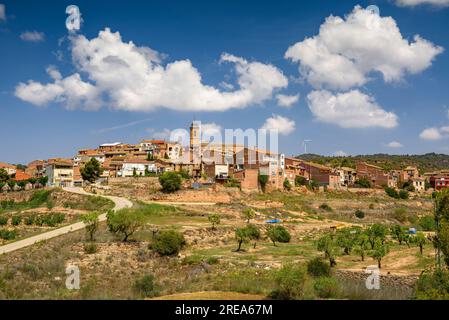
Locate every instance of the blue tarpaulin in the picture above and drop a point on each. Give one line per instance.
(274, 221)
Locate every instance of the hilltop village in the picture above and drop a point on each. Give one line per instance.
(215, 163)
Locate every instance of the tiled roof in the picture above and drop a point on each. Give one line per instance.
(21, 176)
(6, 165)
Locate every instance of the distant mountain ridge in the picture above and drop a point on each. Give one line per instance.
(426, 162)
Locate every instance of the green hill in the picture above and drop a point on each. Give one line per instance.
(425, 163)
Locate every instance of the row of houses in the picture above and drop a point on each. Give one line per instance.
(220, 163)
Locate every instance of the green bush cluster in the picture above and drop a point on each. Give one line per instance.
(8, 234)
(359, 214)
(146, 286)
(317, 267)
(168, 243)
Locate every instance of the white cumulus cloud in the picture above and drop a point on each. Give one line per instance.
(431, 134)
(284, 125)
(353, 109)
(32, 36)
(286, 100)
(414, 3)
(347, 51)
(394, 145)
(134, 78)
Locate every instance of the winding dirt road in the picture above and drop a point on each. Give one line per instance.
(120, 203)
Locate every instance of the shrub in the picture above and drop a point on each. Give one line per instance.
(232, 183)
(371, 206)
(404, 195)
(263, 180)
(213, 260)
(184, 174)
(8, 234)
(287, 185)
(278, 234)
(248, 214)
(3, 221)
(433, 286)
(363, 183)
(318, 268)
(170, 182)
(427, 223)
(300, 181)
(16, 220)
(146, 286)
(290, 280)
(326, 207)
(90, 248)
(29, 220)
(359, 214)
(39, 221)
(326, 287)
(400, 214)
(391, 192)
(168, 243)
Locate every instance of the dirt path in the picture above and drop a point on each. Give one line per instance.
(120, 203)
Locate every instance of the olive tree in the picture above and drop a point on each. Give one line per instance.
(125, 222)
(91, 223)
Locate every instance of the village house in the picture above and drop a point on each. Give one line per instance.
(10, 169)
(317, 172)
(136, 166)
(36, 168)
(374, 174)
(347, 176)
(410, 173)
(439, 182)
(419, 184)
(59, 173)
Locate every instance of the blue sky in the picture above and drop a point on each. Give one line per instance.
(201, 31)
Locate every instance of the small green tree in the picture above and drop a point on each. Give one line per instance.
(43, 180)
(248, 214)
(278, 234)
(263, 180)
(345, 240)
(391, 192)
(361, 245)
(214, 219)
(253, 233)
(134, 172)
(91, 223)
(170, 182)
(379, 252)
(150, 156)
(376, 232)
(326, 244)
(420, 240)
(91, 170)
(125, 222)
(241, 236)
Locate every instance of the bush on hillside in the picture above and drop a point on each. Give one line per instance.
(317, 267)
(170, 182)
(168, 243)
